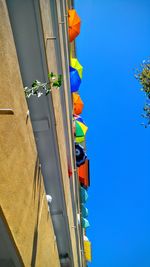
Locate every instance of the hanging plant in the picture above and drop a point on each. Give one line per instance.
(143, 76)
(38, 88)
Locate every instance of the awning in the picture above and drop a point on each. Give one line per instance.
(84, 211)
(87, 250)
(84, 174)
(84, 223)
(83, 195)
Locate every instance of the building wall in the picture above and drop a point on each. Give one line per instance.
(22, 195)
(51, 56)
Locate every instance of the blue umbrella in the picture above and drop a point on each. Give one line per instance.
(75, 80)
(84, 223)
(80, 155)
(83, 195)
(84, 211)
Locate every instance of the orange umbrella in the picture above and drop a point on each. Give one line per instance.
(74, 23)
(77, 104)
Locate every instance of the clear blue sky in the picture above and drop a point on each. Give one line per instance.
(114, 39)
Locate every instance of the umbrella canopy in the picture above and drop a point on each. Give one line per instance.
(81, 129)
(77, 104)
(87, 250)
(84, 223)
(75, 80)
(84, 173)
(83, 194)
(84, 211)
(80, 155)
(74, 23)
(78, 118)
(76, 65)
(80, 139)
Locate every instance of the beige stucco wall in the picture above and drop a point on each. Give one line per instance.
(22, 195)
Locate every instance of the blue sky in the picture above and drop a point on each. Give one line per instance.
(114, 39)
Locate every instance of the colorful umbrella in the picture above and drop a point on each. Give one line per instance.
(83, 195)
(81, 129)
(77, 104)
(80, 155)
(80, 139)
(78, 118)
(76, 65)
(74, 80)
(74, 23)
(84, 223)
(84, 211)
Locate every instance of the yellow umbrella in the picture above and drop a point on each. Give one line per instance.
(80, 139)
(76, 65)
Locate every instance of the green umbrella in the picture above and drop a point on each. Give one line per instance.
(84, 211)
(83, 194)
(81, 129)
(84, 223)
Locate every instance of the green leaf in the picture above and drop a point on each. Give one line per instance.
(34, 83)
(50, 75)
